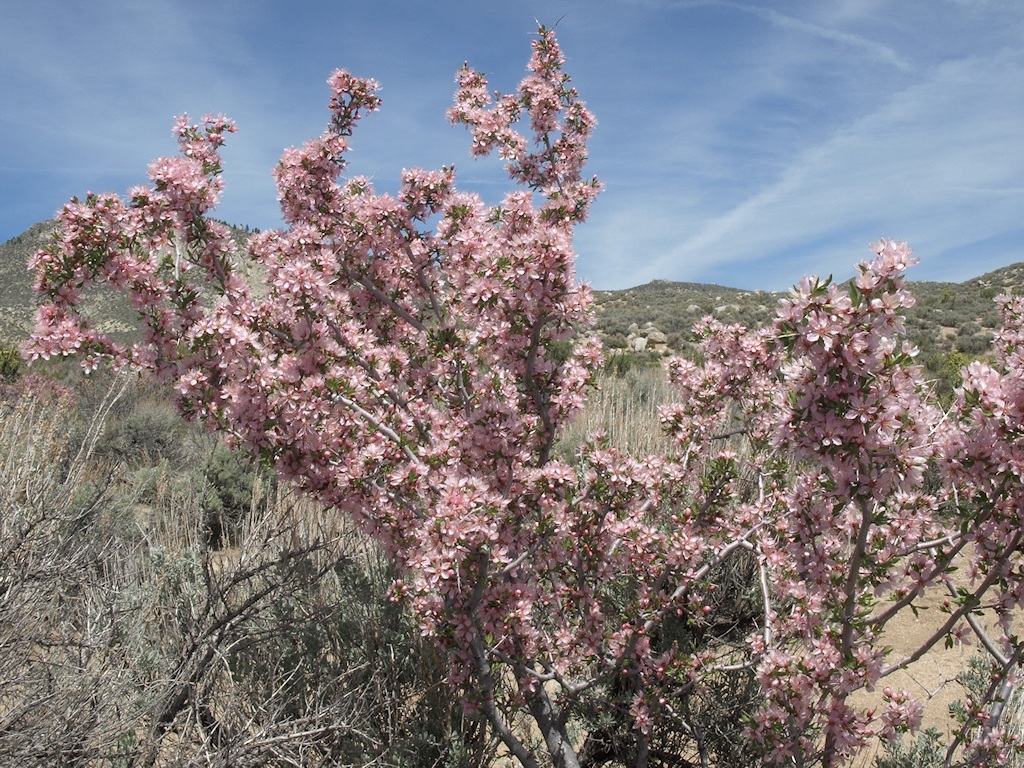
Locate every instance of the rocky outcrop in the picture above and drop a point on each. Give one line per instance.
(648, 338)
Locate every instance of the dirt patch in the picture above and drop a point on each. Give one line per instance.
(931, 679)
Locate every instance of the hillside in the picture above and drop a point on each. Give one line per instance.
(949, 317)
(110, 312)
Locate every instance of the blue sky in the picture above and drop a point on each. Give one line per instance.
(743, 143)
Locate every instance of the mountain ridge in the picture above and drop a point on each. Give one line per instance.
(948, 317)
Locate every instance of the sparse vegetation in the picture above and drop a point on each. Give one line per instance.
(238, 625)
(127, 638)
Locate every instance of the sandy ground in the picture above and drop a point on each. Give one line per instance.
(932, 679)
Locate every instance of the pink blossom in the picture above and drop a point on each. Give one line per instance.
(412, 360)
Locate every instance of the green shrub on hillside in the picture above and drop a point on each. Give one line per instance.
(151, 432)
(231, 488)
(10, 363)
(621, 362)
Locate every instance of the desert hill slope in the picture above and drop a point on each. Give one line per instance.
(949, 317)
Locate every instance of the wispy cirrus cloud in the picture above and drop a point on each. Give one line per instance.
(742, 142)
(864, 44)
(920, 167)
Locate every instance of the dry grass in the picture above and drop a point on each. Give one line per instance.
(625, 408)
(126, 640)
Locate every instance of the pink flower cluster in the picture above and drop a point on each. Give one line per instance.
(553, 163)
(841, 428)
(412, 359)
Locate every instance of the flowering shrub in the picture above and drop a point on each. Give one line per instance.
(415, 356)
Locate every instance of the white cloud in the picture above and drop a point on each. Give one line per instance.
(742, 142)
(913, 167)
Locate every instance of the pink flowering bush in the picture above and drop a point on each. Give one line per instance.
(414, 358)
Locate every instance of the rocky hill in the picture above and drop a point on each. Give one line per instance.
(949, 317)
(110, 312)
